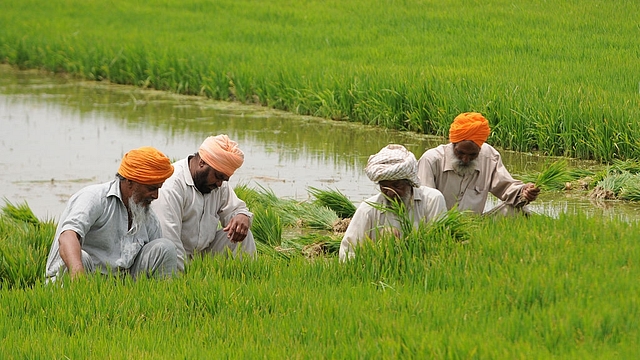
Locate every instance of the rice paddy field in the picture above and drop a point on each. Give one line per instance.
(542, 288)
(560, 78)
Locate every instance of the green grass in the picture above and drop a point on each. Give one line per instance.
(556, 77)
(521, 287)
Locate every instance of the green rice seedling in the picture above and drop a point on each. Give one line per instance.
(250, 196)
(611, 186)
(334, 200)
(392, 256)
(24, 248)
(315, 216)
(20, 212)
(313, 244)
(554, 177)
(266, 226)
(631, 190)
(631, 165)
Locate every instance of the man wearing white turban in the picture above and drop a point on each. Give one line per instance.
(197, 198)
(395, 170)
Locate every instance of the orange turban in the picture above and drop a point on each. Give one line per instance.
(469, 126)
(145, 165)
(222, 154)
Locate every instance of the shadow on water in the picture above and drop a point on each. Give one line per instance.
(59, 135)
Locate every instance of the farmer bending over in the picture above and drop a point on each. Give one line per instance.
(467, 169)
(197, 198)
(394, 169)
(109, 228)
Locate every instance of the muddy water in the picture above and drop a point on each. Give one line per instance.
(58, 135)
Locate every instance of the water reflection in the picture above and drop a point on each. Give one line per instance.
(60, 135)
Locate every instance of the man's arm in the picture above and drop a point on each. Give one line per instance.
(168, 210)
(71, 253)
(426, 170)
(235, 216)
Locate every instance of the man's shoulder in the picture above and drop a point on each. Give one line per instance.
(428, 192)
(489, 152)
(97, 190)
(179, 177)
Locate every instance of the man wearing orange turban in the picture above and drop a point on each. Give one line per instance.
(109, 228)
(467, 169)
(197, 198)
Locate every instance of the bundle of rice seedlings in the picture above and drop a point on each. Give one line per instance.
(631, 191)
(316, 217)
(334, 200)
(315, 244)
(21, 212)
(266, 227)
(553, 178)
(611, 186)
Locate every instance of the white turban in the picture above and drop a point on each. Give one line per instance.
(393, 162)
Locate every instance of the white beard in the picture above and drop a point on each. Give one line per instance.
(139, 214)
(464, 170)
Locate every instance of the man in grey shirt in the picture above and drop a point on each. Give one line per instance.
(467, 169)
(109, 228)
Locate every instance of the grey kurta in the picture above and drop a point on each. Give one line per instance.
(98, 215)
(435, 169)
(427, 205)
(191, 219)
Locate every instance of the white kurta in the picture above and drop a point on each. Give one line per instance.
(191, 219)
(435, 169)
(428, 204)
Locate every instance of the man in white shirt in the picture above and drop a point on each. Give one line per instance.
(197, 208)
(467, 169)
(394, 169)
(109, 228)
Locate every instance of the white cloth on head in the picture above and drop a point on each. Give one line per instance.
(393, 162)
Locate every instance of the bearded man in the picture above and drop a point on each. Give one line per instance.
(198, 198)
(467, 169)
(394, 169)
(109, 228)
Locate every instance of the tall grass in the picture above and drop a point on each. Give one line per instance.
(520, 287)
(24, 246)
(546, 79)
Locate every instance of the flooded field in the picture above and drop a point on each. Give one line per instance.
(59, 135)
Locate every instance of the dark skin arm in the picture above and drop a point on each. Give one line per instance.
(238, 228)
(530, 192)
(70, 252)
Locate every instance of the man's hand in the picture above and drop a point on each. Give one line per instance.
(237, 228)
(530, 192)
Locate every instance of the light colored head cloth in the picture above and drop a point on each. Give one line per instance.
(222, 154)
(145, 165)
(393, 162)
(469, 126)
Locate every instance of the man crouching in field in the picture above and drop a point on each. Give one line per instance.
(395, 170)
(109, 228)
(467, 169)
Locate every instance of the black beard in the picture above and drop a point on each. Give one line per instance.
(200, 182)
